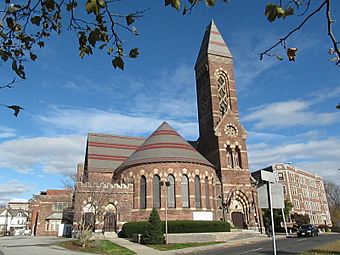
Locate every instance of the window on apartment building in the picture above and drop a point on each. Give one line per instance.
(300, 197)
(280, 175)
(284, 190)
(296, 203)
(59, 206)
(294, 190)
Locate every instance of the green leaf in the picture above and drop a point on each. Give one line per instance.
(176, 4)
(167, 2)
(101, 3)
(50, 5)
(41, 44)
(94, 37)
(129, 19)
(92, 6)
(134, 53)
(118, 62)
(33, 56)
(270, 12)
(36, 20)
(10, 22)
(18, 70)
(279, 12)
(210, 2)
(109, 50)
(134, 30)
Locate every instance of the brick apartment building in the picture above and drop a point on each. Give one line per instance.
(120, 180)
(305, 190)
(51, 213)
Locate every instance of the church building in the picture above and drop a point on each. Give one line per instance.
(124, 177)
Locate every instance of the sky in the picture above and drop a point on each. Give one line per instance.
(287, 108)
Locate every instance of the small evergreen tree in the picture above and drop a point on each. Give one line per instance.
(154, 230)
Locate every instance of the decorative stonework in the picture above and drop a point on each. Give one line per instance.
(231, 130)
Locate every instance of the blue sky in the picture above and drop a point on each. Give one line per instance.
(288, 108)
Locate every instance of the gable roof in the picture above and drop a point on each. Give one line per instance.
(165, 145)
(106, 152)
(213, 43)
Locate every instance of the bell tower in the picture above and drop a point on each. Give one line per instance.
(222, 137)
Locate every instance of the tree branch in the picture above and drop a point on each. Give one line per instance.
(282, 41)
(336, 50)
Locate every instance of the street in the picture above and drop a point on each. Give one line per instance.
(29, 245)
(292, 245)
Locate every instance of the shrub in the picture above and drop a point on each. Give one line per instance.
(154, 229)
(179, 226)
(324, 227)
(130, 228)
(189, 226)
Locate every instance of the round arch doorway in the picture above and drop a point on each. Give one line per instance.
(110, 220)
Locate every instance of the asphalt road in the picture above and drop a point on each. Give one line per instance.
(27, 245)
(284, 246)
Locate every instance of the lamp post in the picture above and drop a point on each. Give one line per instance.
(167, 185)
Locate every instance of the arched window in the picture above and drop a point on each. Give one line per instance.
(207, 199)
(238, 161)
(156, 191)
(230, 157)
(171, 192)
(142, 192)
(198, 192)
(185, 191)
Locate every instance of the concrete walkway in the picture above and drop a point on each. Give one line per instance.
(143, 250)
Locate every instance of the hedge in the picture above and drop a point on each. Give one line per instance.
(176, 226)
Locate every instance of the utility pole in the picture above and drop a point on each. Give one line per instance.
(167, 185)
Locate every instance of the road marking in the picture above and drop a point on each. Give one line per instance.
(251, 251)
(305, 239)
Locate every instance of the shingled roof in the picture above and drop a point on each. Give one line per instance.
(213, 43)
(164, 145)
(106, 152)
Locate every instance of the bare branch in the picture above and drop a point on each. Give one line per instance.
(282, 41)
(336, 50)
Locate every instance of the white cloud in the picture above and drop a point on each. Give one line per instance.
(319, 156)
(11, 189)
(50, 154)
(83, 121)
(6, 132)
(288, 114)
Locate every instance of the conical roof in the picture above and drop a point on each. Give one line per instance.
(213, 43)
(164, 145)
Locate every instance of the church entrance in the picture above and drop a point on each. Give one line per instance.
(109, 222)
(89, 220)
(238, 220)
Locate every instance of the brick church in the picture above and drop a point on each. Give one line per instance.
(124, 177)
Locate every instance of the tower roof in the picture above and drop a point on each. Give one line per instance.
(164, 145)
(213, 43)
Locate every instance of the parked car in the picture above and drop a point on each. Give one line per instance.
(307, 230)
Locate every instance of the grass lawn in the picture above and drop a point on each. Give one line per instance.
(98, 247)
(331, 248)
(175, 246)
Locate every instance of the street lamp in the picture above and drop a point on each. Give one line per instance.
(167, 185)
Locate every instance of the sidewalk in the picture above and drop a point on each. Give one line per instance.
(143, 250)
